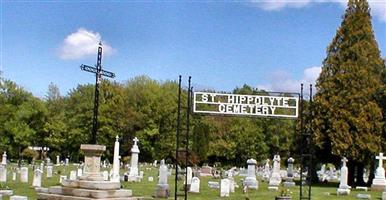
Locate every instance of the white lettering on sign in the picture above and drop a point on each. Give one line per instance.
(237, 104)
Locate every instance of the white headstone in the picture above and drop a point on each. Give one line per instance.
(231, 184)
(49, 171)
(379, 181)
(13, 176)
(61, 178)
(155, 163)
(290, 173)
(24, 175)
(3, 173)
(150, 179)
(344, 188)
(133, 175)
(105, 175)
(266, 171)
(224, 188)
(57, 160)
(67, 161)
(163, 173)
(189, 175)
(72, 175)
(251, 181)
(79, 172)
(195, 185)
(275, 178)
(4, 160)
(162, 189)
(115, 173)
(37, 181)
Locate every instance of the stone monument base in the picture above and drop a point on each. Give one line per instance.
(82, 190)
(289, 184)
(378, 185)
(162, 191)
(342, 191)
(251, 183)
(89, 186)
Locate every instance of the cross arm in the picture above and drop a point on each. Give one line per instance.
(95, 71)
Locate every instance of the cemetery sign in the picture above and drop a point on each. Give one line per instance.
(249, 105)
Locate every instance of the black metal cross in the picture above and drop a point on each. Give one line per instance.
(99, 72)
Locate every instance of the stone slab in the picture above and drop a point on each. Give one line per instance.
(289, 184)
(363, 196)
(18, 198)
(361, 188)
(93, 185)
(273, 188)
(378, 187)
(44, 196)
(6, 192)
(97, 194)
(384, 195)
(340, 191)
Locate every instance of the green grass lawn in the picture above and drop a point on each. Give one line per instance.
(146, 189)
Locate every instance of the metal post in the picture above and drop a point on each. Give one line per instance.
(310, 145)
(187, 139)
(177, 136)
(301, 140)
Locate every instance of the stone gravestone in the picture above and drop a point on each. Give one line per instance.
(224, 188)
(250, 180)
(115, 173)
(195, 185)
(289, 180)
(189, 176)
(79, 172)
(4, 159)
(13, 176)
(162, 188)
(275, 179)
(3, 173)
(133, 174)
(105, 175)
(61, 178)
(49, 171)
(379, 181)
(344, 188)
(155, 163)
(57, 160)
(150, 179)
(73, 175)
(67, 161)
(24, 174)
(37, 181)
(266, 171)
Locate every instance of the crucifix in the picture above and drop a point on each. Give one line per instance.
(99, 72)
(380, 159)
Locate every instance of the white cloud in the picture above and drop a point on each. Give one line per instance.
(82, 43)
(281, 81)
(378, 7)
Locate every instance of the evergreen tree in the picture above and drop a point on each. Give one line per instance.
(348, 119)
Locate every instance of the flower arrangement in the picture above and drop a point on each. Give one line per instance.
(285, 193)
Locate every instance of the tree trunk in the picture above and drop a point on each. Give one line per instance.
(351, 173)
(359, 174)
(371, 175)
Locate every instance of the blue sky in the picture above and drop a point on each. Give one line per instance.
(271, 45)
